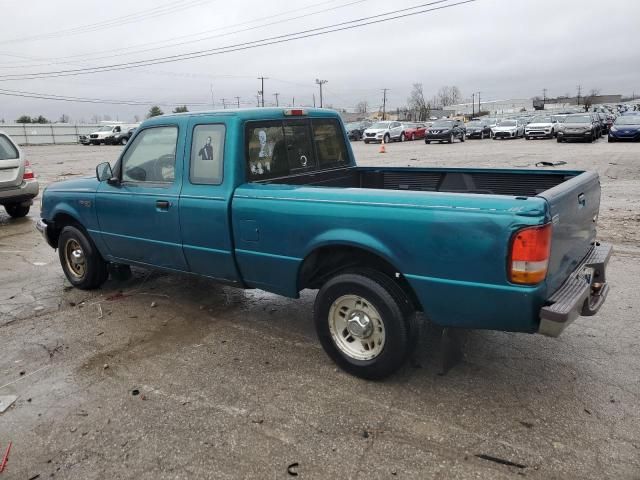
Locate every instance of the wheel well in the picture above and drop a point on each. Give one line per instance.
(325, 262)
(60, 221)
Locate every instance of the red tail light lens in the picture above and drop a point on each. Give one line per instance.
(28, 172)
(529, 258)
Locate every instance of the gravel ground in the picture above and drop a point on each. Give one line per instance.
(214, 382)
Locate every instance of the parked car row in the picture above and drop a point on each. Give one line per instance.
(109, 135)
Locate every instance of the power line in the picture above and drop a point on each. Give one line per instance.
(114, 22)
(64, 98)
(364, 21)
(130, 51)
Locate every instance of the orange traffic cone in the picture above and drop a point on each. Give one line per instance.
(382, 149)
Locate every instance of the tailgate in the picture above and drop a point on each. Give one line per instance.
(574, 206)
(10, 174)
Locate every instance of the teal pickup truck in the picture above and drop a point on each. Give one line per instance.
(273, 199)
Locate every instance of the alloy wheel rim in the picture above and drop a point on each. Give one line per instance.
(74, 258)
(356, 327)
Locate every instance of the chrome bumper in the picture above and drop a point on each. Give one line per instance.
(582, 294)
(43, 228)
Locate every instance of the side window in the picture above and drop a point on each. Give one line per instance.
(329, 142)
(152, 156)
(207, 154)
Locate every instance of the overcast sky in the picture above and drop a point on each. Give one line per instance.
(503, 48)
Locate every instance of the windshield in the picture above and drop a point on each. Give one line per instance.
(541, 120)
(380, 125)
(7, 150)
(558, 118)
(508, 123)
(442, 124)
(628, 120)
(578, 119)
(352, 126)
(474, 124)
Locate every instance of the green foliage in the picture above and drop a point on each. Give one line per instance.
(181, 109)
(24, 119)
(154, 111)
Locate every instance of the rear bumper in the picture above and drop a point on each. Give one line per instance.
(583, 293)
(23, 193)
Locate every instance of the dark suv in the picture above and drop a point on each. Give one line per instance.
(445, 131)
(119, 137)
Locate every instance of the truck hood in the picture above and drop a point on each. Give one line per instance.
(375, 130)
(500, 128)
(83, 184)
(540, 125)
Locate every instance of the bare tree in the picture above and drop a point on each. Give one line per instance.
(588, 100)
(449, 95)
(417, 103)
(136, 118)
(362, 107)
(64, 118)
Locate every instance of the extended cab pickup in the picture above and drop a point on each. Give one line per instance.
(273, 199)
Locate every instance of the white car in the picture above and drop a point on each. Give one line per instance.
(540, 127)
(18, 184)
(386, 130)
(106, 131)
(508, 128)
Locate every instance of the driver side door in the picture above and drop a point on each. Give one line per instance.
(138, 213)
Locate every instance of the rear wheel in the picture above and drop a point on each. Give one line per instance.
(81, 262)
(365, 323)
(462, 137)
(481, 135)
(15, 210)
(123, 141)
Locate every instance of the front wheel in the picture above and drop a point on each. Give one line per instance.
(387, 138)
(451, 138)
(428, 142)
(15, 210)
(481, 135)
(558, 139)
(462, 137)
(81, 262)
(123, 141)
(366, 141)
(365, 323)
(610, 140)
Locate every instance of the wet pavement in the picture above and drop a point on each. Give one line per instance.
(172, 376)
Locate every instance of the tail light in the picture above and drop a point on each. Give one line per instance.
(529, 257)
(28, 172)
(294, 112)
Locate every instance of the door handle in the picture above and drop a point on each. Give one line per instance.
(163, 204)
(582, 200)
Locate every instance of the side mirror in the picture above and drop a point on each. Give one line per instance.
(104, 172)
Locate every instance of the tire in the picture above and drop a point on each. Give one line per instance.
(450, 139)
(481, 135)
(428, 142)
(527, 137)
(81, 262)
(369, 295)
(462, 138)
(366, 141)
(387, 138)
(610, 140)
(558, 139)
(124, 140)
(15, 210)
(402, 137)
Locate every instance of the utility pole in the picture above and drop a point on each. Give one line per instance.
(384, 103)
(321, 82)
(314, 100)
(238, 100)
(579, 87)
(479, 105)
(276, 95)
(293, 102)
(258, 99)
(224, 103)
(473, 104)
(544, 96)
(262, 79)
(212, 102)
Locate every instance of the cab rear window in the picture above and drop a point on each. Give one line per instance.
(280, 148)
(7, 150)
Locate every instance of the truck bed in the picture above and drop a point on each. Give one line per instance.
(489, 182)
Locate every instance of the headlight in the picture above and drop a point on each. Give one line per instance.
(613, 129)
